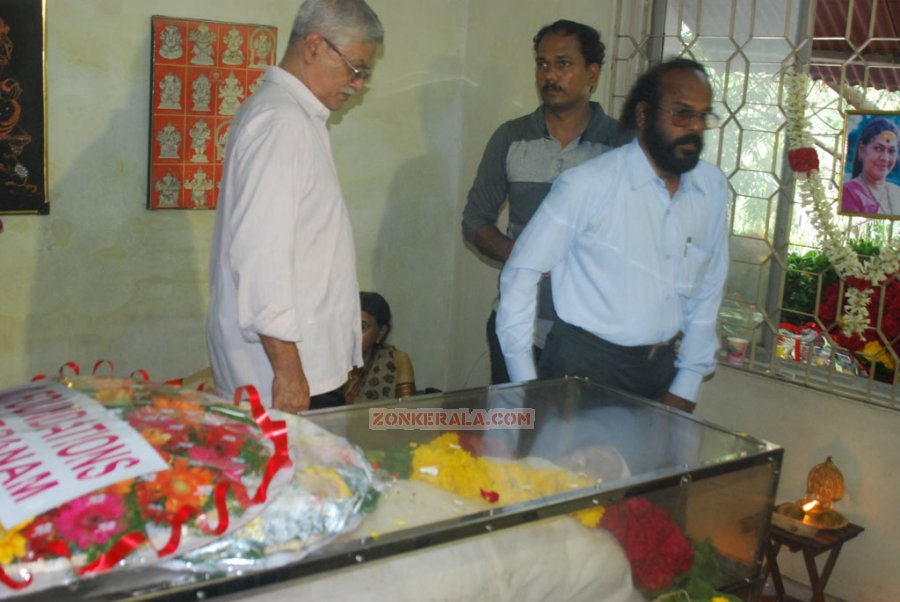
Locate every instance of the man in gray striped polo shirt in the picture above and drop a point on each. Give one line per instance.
(526, 154)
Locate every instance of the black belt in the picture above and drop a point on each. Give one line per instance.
(638, 351)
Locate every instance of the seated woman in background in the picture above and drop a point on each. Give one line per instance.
(387, 372)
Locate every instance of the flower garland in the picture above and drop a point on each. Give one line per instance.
(803, 158)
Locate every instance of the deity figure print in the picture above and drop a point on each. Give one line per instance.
(233, 54)
(201, 95)
(169, 139)
(168, 188)
(199, 185)
(170, 92)
(231, 92)
(171, 42)
(200, 135)
(203, 40)
(256, 84)
(222, 139)
(262, 47)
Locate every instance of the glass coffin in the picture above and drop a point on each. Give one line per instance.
(551, 490)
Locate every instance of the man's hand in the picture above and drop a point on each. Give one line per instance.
(679, 403)
(493, 243)
(290, 394)
(290, 389)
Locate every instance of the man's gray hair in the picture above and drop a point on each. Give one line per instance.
(341, 21)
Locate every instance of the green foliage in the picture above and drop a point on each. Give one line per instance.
(802, 279)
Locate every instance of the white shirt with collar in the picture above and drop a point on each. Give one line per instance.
(629, 263)
(283, 263)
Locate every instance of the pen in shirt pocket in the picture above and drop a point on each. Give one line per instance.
(687, 243)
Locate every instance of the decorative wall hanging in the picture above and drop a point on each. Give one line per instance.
(201, 72)
(871, 176)
(23, 109)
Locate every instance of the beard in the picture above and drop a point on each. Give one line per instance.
(668, 154)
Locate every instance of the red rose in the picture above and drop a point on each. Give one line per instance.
(803, 159)
(652, 541)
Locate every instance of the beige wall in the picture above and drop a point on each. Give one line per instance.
(101, 277)
(812, 425)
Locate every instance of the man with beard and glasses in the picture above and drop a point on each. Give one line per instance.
(525, 155)
(637, 245)
(284, 300)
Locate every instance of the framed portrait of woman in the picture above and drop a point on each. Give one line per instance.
(870, 183)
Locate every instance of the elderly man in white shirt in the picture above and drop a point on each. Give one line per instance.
(284, 309)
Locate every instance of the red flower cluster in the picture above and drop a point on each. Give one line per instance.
(890, 318)
(803, 159)
(653, 543)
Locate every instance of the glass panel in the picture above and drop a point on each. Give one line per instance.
(695, 474)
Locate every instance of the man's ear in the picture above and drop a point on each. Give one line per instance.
(311, 45)
(593, 76)
(382, 333)
(641, 114)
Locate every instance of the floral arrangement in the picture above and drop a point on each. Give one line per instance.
(222, 463)
(653, 543)
(444, 463)
(868, 347)
(803, 159)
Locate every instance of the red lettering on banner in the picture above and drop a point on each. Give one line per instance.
(90, 473)
(57, 433)
(51, 419)
(479, 419)
(9, 456)
(378, 418)
(32, 487)
(455, 419)
(103, 440)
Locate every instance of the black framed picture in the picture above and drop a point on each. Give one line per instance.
(871, 177)
(23, 108)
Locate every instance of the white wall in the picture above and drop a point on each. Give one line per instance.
(101, 277)
(810, 426)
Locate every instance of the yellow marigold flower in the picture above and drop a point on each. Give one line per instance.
(12, 543)
(876, 353)
(445, 464)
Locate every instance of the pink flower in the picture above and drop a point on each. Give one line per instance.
(90, 519)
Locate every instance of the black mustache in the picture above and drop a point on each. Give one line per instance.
(694, 139)
(551, 88)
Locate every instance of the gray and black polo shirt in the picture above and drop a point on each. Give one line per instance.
(519, 164)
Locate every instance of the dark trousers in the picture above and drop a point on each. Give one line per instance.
(645, 370)
(499, 375)
(332, 399)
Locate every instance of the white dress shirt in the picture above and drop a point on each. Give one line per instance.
(283, 262)
(629, 263)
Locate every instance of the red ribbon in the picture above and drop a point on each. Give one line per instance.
(120, 550)
(184, 514)
(38, 377)
(12, 583)
(274, 430)
(71, 365)
(142, 373)
(175, 382)
(99, 363)
(799, 330)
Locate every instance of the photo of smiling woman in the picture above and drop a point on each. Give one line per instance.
(872, 182)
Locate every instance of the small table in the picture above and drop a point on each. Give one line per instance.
(824, 541)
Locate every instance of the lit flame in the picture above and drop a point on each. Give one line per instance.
(810, 505)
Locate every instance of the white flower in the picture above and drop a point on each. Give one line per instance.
(812, 195)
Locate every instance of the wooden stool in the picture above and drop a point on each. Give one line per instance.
(824, 541)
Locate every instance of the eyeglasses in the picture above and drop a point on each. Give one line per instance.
(685, 117)
(355, 72)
